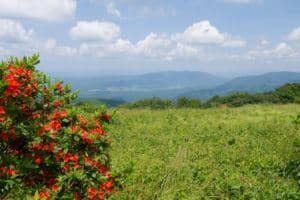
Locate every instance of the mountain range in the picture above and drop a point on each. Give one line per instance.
(172, 84)
(250, 84)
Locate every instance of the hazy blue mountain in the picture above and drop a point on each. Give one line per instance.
(167, 84)
(251, 84)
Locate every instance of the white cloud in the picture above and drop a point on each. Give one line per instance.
(12, 31)
(264, 42)
(189, 44)
(281, 50)
(294, 35)
(95, 30)
(154, 45)
(100, 49)
(232, 42)
(204, 33)
(52, 47)
(47, 10)
(111, 9)
(185, 51)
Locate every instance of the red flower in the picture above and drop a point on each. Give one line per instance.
(36, 115)
(56, 103)
(82, 121)
(66, 168)
(77, 166)
(98, 130)
(101, 195)
(85, 137)
(8, 171)
(59, 87)
(44, 195)
(54, 188)
(2, 111)
(77, 196)
(44, 129)
(13, 88)
(106, 117)
(60, 114)
(55, 125)
(38, 160)
(73, 129)
(2, 118)
(69, 157)
(92, 193)
(43, 147)
(107, 186)
(4, 136)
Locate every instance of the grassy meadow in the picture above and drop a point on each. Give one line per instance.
(216, 153)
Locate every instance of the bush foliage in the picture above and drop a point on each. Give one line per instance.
(48, 149)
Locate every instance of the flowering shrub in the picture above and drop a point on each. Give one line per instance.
(48, 149)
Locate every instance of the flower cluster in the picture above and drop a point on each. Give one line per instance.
(48, 148)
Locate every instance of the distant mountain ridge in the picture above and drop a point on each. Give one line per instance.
(165, 84)
(251, 84)
(172, 84)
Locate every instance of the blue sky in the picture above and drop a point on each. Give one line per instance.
(106, 37)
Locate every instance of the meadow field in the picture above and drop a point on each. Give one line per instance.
(215, 153)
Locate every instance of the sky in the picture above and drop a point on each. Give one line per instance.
(117, 37)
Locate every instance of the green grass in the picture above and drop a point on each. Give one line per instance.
(218, 153)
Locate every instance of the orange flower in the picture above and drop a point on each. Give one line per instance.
(73, 129)
(8, 171)
(44, 195)
(55, 125)
(54, 188)
(44, 129)
(2, 114)
(98, 130)
(85, 137)
(43, 147)
(92, 193)
(59, 114)
(107, 186)
(59, 87)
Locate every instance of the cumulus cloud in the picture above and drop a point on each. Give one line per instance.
(294, 35)
(46, 10)
(102, 39)
(111, 9)
(154, 45)
(281, 50)
(52, 47)
(204, 33)
(12, 31)
(100, 49)
(95, 30)
(264, 42)
(183, 50)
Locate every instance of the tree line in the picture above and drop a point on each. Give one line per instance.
(288, 93)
